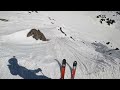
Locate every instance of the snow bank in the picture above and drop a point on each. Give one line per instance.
(20, 37)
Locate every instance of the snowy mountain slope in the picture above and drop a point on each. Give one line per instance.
(87, 23)
(93, 57)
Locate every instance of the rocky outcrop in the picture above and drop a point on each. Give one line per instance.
(5, 20)
(36, 34)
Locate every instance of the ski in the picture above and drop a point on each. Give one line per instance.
(63, 69)
(74, 69)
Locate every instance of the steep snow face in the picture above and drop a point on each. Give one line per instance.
(75, 42)
(21, 20)
(86, 24)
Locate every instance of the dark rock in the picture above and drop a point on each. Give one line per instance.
(108, 43)
(117, 49)
(37, 35)
(5, 20)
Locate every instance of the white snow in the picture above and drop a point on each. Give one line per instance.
(32, 54)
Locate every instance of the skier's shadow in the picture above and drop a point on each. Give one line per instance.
(16, 69)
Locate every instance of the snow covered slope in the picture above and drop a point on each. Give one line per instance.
(82, 39)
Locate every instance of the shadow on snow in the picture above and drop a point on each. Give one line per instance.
(16, 69)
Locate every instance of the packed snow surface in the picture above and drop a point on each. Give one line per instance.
(82, 39)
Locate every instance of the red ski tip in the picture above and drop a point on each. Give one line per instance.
(73, 69)
(63, 69)
(75, 63)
